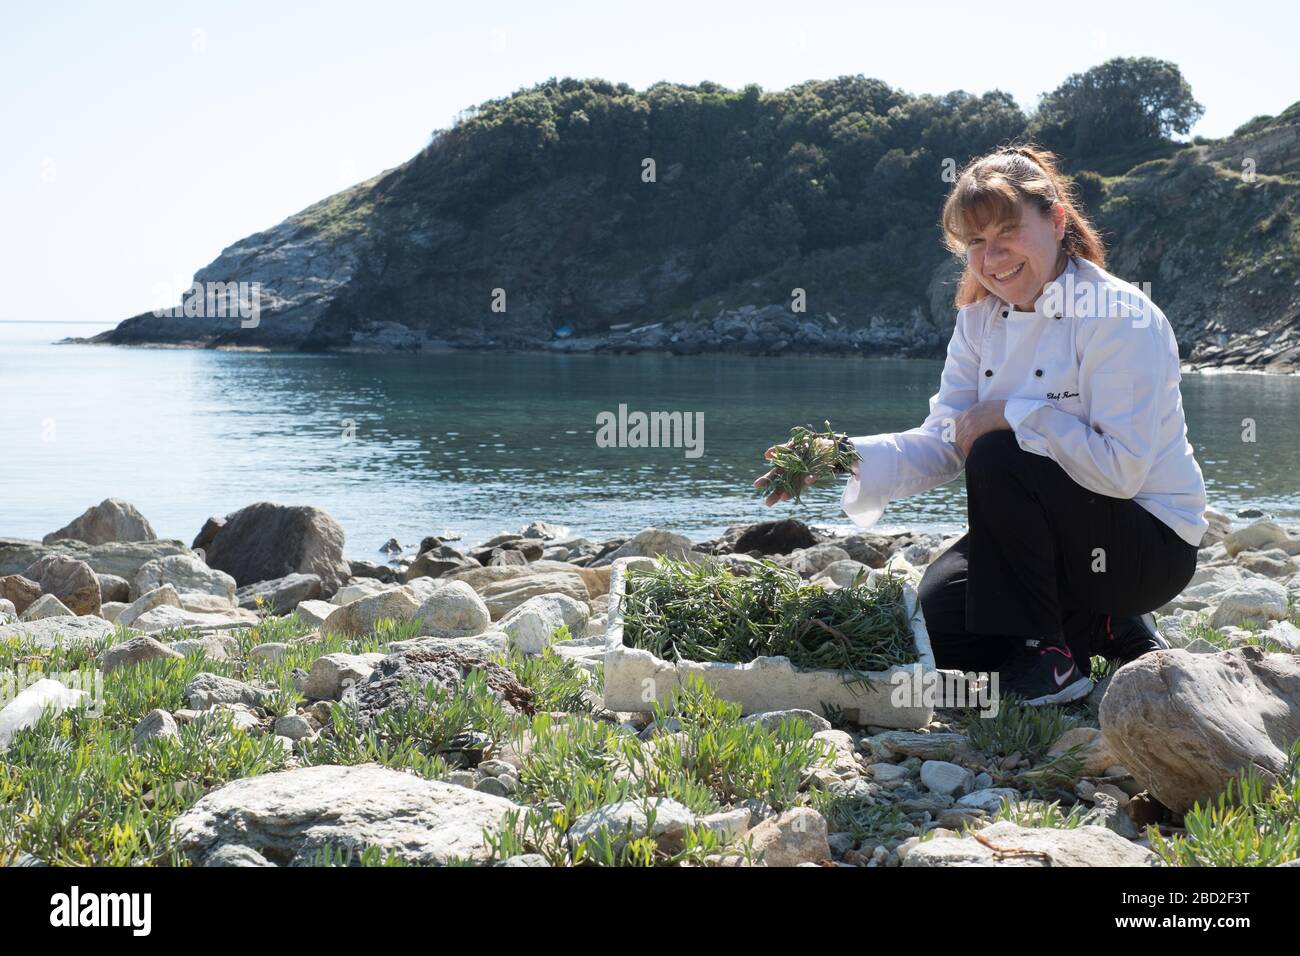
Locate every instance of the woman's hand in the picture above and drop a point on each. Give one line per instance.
(765, 480)
(980, 418)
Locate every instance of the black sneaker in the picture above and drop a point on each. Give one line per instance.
(1042, 672)
(1128, 638)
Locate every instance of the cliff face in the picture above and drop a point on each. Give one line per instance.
(753, 196)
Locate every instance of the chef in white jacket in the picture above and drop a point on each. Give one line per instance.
(1059, 400)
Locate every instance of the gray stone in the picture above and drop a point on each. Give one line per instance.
(214, 647)
(266, 541)
(166, 594)
(453, 610)
(155, 724)
(281, 595)
(842, 573)
(649, 543)
(332, 674)
(185, 573)
(629, 819)
(137, 650)
(949, 779)
(114, 589)
(314, 613)
(772, 719)
(990, 799)
(505, 588)
(232, 854)
(357, 588)
(289, 816)
(293, 726)
(269, 653)
(207, 689)
(111, 520)
(532, 624)
(809, 562)
(121, 558)
(493, 786)
(164, 616)
(359, 617)
(798, 835)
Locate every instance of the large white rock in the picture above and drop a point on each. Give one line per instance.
(811, 561)
(1008, 844)
(45, 606)
(186, 573)
(165, 616)
(1257, 536)
(531, 625)
(25, 710)
(314, 613)
(288, 816)
(948, 779)
(1257, 598)
(841, 573)
(147, 602)
(358, 588)
(453, 610)
(1185, 724)
(49, 631)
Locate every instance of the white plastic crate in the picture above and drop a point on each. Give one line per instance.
(635, 678)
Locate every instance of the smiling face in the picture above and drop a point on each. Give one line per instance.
(1015, 256)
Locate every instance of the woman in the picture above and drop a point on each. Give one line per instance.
(1059, 399)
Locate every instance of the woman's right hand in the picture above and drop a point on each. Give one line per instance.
(765, 480)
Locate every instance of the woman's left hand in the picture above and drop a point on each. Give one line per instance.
(975, 421)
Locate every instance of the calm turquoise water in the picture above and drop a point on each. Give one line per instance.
(485, 442)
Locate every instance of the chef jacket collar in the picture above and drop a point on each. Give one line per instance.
(1057, 301)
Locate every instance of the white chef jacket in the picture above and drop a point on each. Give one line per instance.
(1090, 378)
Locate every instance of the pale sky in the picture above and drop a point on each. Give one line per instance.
(142, 138)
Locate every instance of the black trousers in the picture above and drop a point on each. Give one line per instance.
(1043, 557)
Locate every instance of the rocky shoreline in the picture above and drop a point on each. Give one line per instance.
(750, 331)
(261, 626)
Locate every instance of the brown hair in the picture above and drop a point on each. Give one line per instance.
(988, 190)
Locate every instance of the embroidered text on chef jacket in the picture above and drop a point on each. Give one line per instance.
(1090, 378)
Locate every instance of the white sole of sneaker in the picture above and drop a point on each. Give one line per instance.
(1080, 688)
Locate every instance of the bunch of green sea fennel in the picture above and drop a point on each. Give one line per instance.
(808, 452)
